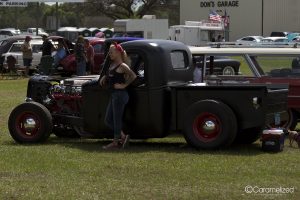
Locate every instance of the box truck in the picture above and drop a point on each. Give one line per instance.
(148, 28)
(197, 33)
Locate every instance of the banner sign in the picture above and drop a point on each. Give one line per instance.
(45, 1)
(6, 3)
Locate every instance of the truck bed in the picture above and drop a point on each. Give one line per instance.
(239, 97)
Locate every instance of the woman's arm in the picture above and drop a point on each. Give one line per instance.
(103, 81)
(129, 76)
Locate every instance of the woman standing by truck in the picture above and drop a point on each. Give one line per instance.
(118, 77)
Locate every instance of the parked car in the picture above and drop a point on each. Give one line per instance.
(162, 101)
(32, 31)
(68, 65)
(274, 40)
(100, 45)
(270, 66)
(6, 44)
(222, 65)
(8, 32)
(15, 51)
(279, 34)
(249, 39)
(296, 39)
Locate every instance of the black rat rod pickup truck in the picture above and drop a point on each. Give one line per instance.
(163, 100)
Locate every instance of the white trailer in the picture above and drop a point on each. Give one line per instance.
(142, 28)
(197, 33)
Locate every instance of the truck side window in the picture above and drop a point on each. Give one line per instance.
(137, 64)
(179, 60)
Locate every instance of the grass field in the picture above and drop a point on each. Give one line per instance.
(267, 63)
(152, 169)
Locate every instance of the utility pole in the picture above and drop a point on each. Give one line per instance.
(262, 17)
(57, 17)
(37, 18)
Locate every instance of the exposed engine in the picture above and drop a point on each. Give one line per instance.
(65, 97)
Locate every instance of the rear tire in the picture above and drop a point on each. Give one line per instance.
(30, 122)
(228, 71)
(290, 123)
(209, 124)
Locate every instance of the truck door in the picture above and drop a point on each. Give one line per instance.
(136, 114)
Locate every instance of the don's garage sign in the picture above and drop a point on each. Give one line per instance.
(220, 4)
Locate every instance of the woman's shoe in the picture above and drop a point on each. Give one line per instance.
(111, 146)
(125, 141)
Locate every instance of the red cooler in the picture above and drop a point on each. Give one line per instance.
(273, 140)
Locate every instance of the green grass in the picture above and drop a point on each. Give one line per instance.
(152, 169)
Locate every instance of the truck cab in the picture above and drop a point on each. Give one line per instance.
(163, 100)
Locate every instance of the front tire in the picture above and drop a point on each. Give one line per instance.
(30, 122)
(210, 124)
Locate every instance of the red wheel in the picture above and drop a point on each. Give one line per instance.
(30, 122)
(209, 124)
(290, 121)
(207, 127)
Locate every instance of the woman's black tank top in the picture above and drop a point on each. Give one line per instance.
(115, 77)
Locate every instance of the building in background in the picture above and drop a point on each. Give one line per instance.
(246, 17)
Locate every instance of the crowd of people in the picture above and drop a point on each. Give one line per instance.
(83, 51)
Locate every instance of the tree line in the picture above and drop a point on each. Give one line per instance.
(72, 14)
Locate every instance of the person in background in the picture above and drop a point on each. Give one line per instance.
(47, 46)
(60, 53)
(118, 77)
(197, 74)
(89, 56)
(80, 56)
(27, 54)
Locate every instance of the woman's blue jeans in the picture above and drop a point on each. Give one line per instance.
(115, 110)
(81, 68)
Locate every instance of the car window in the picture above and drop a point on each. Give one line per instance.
(278, 66)
(3, 42)
(7, 33)
(98, 48)
(179, 59)
(16, 48)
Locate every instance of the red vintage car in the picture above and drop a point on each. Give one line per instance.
(100, 45)
(260, 65)
(68, 64)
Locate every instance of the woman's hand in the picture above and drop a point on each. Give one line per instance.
(102, 81)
